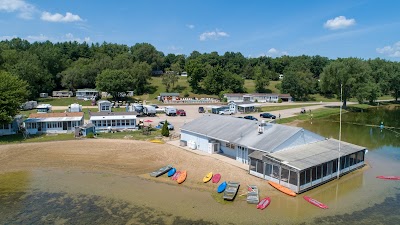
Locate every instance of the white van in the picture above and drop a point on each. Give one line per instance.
(170, 111)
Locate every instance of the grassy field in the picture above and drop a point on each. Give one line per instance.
(134, 135)
(282, 107)
(63, 101)
(18, 138)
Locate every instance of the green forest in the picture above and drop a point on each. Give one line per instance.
(118, 68)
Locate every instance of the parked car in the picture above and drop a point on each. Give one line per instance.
(180, 112)
(161, 124)
(170, 111)
(225, 112)
(201, 109)
(250, 118)
(267, 115)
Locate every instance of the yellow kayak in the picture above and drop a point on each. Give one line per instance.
(208, 177)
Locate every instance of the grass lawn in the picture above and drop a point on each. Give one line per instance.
(63, 101)
(282, 107)
(134, 135)
(18, 138)
(250, 86)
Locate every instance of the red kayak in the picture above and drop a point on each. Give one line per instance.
(315, 202)
(176, 175)
(264, 203)
(216, 178)
(389, 177)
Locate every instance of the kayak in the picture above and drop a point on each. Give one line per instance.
(176, 175)
(264, 203)
(182, 177)
(315, 202)
(208, 177)
(216, 178)
(389, 177)
(171, 172)
(221, 187)
(282, 189)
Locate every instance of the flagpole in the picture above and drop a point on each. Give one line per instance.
(340, 128)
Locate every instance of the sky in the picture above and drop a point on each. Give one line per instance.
(342, 28)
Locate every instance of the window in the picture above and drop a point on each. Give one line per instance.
(334, 164)
(104, 122)
(122, 122)
(259, 166)
(293, 177)
(302, 178)
(319, 171)
(113, 123)
(268, 169)
(118, 122)
(314, 173)
(324, 169)
(275, 172)
(285, 175)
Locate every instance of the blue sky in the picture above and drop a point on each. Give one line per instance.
(364, 29)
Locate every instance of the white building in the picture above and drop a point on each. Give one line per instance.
(284, 154)
(75, 107)
(86, 94)
(257, 97)
(53, 122)
(63, 93)
(114, 120)
(104, 106)
(44, 108)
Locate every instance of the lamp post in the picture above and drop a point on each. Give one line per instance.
(340, 128)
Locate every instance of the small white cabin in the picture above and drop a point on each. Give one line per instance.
(43, 95)
(86, 94)
(44, 108)
(75, 107)
(112, 121)
(53, 122)
(104, 106)
(184, 74)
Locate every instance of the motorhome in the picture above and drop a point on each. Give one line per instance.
(149, 110)
(170, 111)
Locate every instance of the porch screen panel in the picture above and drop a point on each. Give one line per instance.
(293, 177)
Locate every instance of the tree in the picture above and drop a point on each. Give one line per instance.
(115, 82)
(147, 53)
(197, 72)
(353, 74)
(262, 76)
(394, 81)
(298, 84)
(141, 75)
(169, 80)
(13, 92)
(164, 129)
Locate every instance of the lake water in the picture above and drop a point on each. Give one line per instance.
(48, 196)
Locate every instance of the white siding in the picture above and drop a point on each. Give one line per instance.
(201, 141)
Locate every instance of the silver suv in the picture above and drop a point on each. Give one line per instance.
(225, 112)
(170, 126)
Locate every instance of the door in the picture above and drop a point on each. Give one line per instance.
(65, 125)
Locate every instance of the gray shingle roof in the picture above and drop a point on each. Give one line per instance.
(309, 155)
(244, 132)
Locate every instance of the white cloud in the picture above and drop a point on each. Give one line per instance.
(174, 48)
(3, 38)
(214, 35)
(273, 52)
(38, 38)
(391, 51)
(339, 22)
(71, 37)
(190, 26)
(24, 10)
(57, 17)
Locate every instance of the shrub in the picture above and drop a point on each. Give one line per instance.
(280, 100)
(90, 135)
(164, 130)
(186, 94)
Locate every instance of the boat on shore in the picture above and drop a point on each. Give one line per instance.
(264, 203)
(231, 190)
(282, 189)
(252, 194)
(171, 172)
(208, 177)
(161, 171)
(389, 177)
(182, 177)
(315, 202)
(216, 178)
(221, 187)
(176, 175)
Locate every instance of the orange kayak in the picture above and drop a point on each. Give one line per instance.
(182, 177)
(282, 188)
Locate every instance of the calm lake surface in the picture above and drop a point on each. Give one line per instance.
(47, 196)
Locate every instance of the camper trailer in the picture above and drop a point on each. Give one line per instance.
(44, 108)
(75, 108)
(138, 108)
(149, 110)
(170, 111)
(29, 105)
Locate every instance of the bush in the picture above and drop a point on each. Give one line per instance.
(90, 135)
(164, 130)
(186, 94)
(279, 100)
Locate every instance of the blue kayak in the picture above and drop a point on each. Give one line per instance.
(171, 172)
(221, 187)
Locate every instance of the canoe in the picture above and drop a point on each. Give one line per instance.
(264, 203)
(315, 202)
(176, 175)
(252, 194)
(208, 177)
(161, 171)
(182, 177)
(389, 177)
(216, 178)
(282, 189)
(221, 187)
(171, 172)
(231, 190)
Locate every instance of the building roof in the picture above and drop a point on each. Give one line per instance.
(249, 105)
(86, 90)
(103, 101)
(245, 132)
(43, 106)
(112, 115)
(168, 94)
(54, 115)
(313, 154)
(250, 94)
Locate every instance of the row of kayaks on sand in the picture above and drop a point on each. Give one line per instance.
(230, 188)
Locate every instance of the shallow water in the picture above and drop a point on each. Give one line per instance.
(48, 196)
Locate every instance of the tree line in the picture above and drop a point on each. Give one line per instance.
(118, 68)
